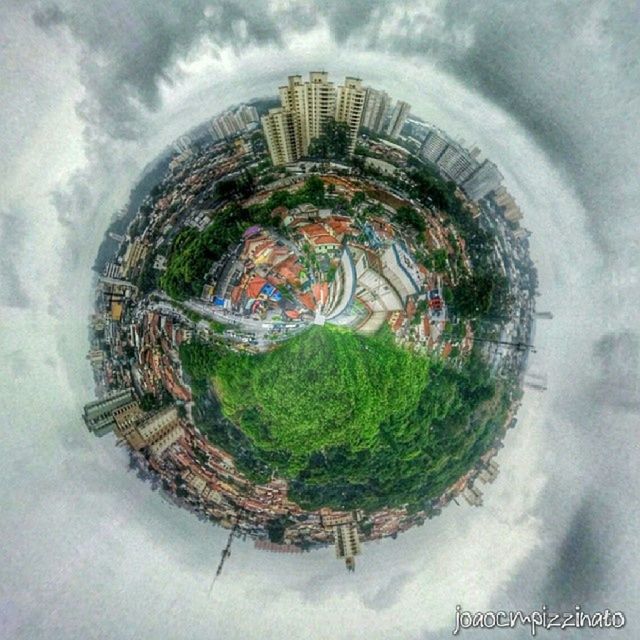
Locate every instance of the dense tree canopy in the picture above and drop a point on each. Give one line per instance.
(333, 143)
(351, 420)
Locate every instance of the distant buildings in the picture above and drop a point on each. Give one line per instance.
(98, 415)
(477, 179)
(230, 123)
(306, 106)
(508, 205)
(398, 118)
(347, 543)
(157, 431)
(376, 107)
(433, 146)
(485, 179)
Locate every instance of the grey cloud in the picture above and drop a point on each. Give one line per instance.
(130, 48)
(12, 232)
(48, 15)
(580, 566)
(618, 355)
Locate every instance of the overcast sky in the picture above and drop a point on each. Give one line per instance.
(91, 92)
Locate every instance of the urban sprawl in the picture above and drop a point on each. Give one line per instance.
(320, 267)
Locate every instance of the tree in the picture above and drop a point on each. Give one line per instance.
(333, 142)
(358, 198)
(409, 217)
(480, 294)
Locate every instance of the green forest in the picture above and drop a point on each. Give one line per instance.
(350, 420)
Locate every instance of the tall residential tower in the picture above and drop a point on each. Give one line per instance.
(306, 106)
(398, 118)
(376, 108)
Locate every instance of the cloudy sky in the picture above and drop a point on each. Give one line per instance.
(91, 92)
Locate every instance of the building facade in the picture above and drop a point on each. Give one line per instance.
(347, 543)
(376, 108)
(485, 179)
(434, 145)
(281, 129)
(457, 163)
(305, 107)
(98, 415)
(349, 107)
(398, 117)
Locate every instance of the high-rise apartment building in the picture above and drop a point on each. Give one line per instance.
(98, 415)
(282, 132)
(376, 108)
(247, 114)
(508, 204)
(457, 163)
(157, 431)
(230, 123)
(485, 179)
(306, 106)
(349, 106)
(347, 543)
(398, 118)
(433, 146)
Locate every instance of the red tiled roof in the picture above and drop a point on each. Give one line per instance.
(255, 286)
(307, 300)
(311, 230)
(323, 239)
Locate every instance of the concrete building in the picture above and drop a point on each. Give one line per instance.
(508, 204)
(134, 255)
(127, 418)
(456, 163)
(98, 415)
(161, 430)
(247, 114)
(349, 106)
(230, 123)
(306, 106)
(347, 543)
(282, 131)
(401, 271)
(157, 431)
(433, 147)
(398, 118)
(485, 179)
(376, 107)
(313, 101)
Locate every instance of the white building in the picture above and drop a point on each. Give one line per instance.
(485, 179)
(433, 147)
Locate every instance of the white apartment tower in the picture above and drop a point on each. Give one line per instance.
(349, 106)
(306, 106)
(433, 147)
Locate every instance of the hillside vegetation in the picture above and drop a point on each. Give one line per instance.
(351, 420)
